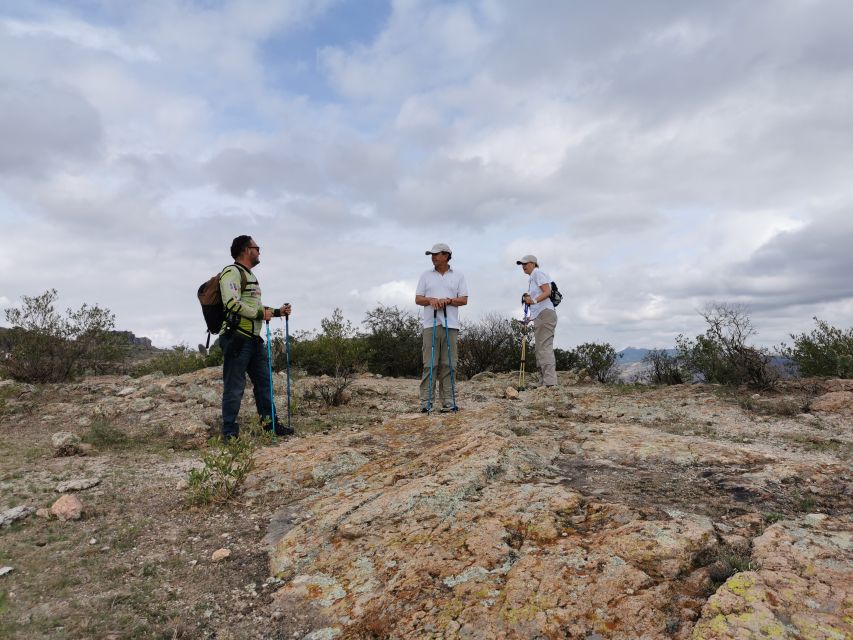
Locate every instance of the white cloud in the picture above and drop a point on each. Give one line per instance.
(83, 35)
(394, 293)
(654, 156)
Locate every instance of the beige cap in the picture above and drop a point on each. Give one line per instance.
(438, 248)
(528, 258)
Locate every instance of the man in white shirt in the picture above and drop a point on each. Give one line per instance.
(544, 317)
(441, 291)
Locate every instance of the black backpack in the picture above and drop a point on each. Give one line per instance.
(556, 296)
(211, 302)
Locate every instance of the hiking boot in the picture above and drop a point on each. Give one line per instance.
(449, 408)
(280, 429)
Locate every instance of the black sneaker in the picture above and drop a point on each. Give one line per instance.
(424, 409)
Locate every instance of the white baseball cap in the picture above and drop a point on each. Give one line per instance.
(528, 258)
(438, 248)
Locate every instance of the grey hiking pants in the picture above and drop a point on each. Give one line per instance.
(544, 328)
(441, 368)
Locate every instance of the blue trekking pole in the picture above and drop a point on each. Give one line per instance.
(450, 362)
(432, 360)
(287, 351)
(269, 362)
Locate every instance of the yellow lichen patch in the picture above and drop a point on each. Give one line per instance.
(739, 584)
(525, 613)
(449, 611)
(821, 631)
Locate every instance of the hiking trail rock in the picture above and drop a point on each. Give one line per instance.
(67, 507)
(77, 485)
(580, 511)
(14, 514)
(802, 588)
(541, 519)
(65, 443)
(220, 554)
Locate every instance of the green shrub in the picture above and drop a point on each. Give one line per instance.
(493, 343)
(180, 359)
(103, 434)
(722, 354)
(336, 350)
(665, 368)
(47, 347)
(826, 351)
(599, 360)
(394, 342)
(226, 465)
(566, 359)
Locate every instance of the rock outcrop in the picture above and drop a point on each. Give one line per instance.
(559, 517)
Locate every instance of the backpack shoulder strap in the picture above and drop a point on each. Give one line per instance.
(244, 279)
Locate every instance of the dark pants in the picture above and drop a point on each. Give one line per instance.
(243, 356)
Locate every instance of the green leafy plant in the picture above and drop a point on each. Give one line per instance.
(665, 368)
(103, 434)
(393, 341)
(225, 467)
(722, 354)
(826, 351)
(180, 359)
(599, 360)
(336, 351)
(45, 346)
(493, 343)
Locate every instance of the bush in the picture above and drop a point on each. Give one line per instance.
(722, 355)
(566, 359)
(394, 342)
(336, 351)
(493, 344)
(665, 368)
(599, 360)
(48, 347)
(180, 359)
(226, 465)
(826, 351)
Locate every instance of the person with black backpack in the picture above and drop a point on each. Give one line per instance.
(243, 349)
(542, 296)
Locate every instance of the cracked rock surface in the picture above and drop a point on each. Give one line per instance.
(575, 512)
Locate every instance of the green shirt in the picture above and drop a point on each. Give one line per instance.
(245, 303)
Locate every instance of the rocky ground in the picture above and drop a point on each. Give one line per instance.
(586, 511)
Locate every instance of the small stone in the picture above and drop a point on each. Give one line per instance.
(511, 393)
(67, 507)
(93, 541)
(220, 554)
(182, 485)
(815, 519)
(65, 443)
(77, 485)
(5, 570)
(126, 392)
(43, 512)
(141, 405)
(15, 513)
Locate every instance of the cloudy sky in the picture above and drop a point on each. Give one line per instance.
(654, 155)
